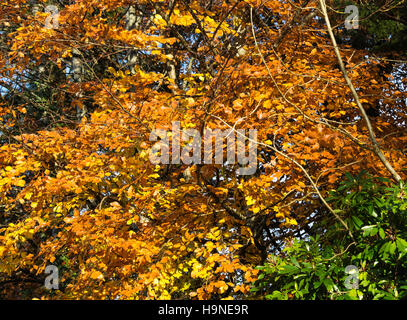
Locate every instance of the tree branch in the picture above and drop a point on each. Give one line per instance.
(376, 148)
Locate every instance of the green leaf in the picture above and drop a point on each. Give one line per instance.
(370, 230)
(293, 260)
(381, 233)
(357, 221)
(392, 248)
(289, 269)
(401, 245)
(328, 284)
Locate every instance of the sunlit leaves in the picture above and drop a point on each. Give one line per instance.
(81, 193)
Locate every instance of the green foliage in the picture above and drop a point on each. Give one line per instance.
(315, 268)
(382, 25)
(305, 272)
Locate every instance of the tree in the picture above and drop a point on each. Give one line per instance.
(315, 268)
(78, 189)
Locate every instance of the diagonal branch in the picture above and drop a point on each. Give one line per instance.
(376, 148)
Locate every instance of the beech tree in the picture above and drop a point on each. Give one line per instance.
(79, 103)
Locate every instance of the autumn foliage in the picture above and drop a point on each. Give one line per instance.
(78, 104)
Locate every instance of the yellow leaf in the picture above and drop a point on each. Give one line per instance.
(250, 200)
(96, 275)
(20, 183)
(256, 209)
